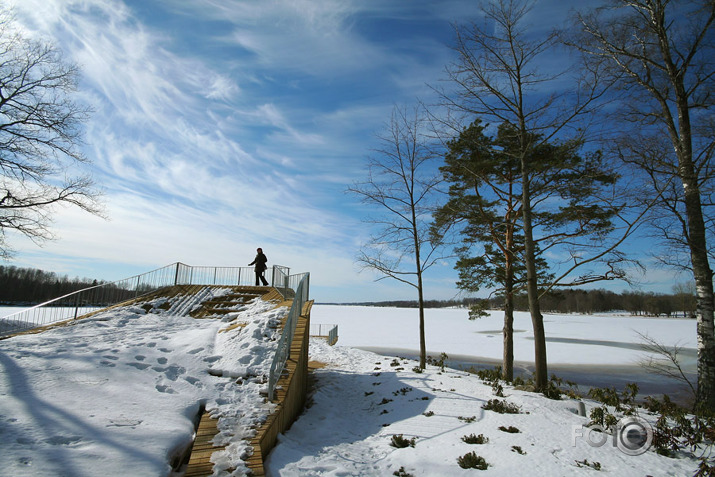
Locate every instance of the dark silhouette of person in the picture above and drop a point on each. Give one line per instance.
(260, 266)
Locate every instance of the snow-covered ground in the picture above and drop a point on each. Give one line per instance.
(118, 393)
(362, 400)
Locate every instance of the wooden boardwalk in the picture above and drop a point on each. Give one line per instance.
(200, 464)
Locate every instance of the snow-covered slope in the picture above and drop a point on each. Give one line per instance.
(119, 392)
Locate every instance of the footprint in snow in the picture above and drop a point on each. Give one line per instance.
(193, 380)
(151, 345)
(165, 350)
(162, 360)
(212, 359)
(113, 358)
(62, 440)
(195, 350)
(107, 363)
(162, 388)
(173, 372)
(139, 366)
(140, 357)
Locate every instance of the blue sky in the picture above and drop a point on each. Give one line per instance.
(221, 126)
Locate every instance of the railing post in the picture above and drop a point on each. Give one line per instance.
(176, 276)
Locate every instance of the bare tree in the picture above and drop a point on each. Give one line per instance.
(40, 137)
(402, 182)
(660, 55)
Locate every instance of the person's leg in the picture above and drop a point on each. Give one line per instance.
(265, 282)
(258, 277)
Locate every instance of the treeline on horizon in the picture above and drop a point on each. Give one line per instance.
(29, 286)
(577, 301)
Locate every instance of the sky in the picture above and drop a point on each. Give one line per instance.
(223, 126)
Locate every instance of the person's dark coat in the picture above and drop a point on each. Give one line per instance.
(260, 262)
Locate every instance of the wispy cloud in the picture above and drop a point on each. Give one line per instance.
(222, 124)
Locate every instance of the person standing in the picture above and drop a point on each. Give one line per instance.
(260, 266)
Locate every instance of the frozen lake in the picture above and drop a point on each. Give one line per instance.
(591, 350)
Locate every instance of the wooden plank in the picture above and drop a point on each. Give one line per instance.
(200, 464)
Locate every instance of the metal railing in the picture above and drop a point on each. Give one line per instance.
(75, 304)
(301, 293)
(329, 332)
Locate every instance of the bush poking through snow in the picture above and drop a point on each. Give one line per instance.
(472, 461)
(490, 376)
(402, 472)
(510, 429)
(518, 450)
(502, 407)
(585, 463)
(399, 441)
(474, 439)
(439, 362)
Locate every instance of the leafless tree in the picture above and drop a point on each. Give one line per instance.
(40, 137)
(402, 182)
(660, 54)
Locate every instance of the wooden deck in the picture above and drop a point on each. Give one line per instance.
(200, 464)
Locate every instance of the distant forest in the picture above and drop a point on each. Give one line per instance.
(581, 301)
(29, 286)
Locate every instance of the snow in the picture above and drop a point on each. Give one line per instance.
(361, 401)
(120, 392)
(571, 339)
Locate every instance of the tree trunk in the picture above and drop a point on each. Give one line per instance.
(705, 304)
(423, 346)
(508, 359)
(698, 252)
(508, 331)
(537, 320)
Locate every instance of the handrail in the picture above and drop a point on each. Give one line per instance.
(74, 305)
(81, 302)
(296, 310)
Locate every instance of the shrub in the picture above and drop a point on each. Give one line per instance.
(586, 463)
(510, 429)
(399, 441)
(467, 419)
(518, 450)
(402, 472)
(490, 376)
(502, 407)
(439, 362)
(472, 461)
(473, 439)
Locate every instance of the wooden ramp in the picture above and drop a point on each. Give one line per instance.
(200, 464)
